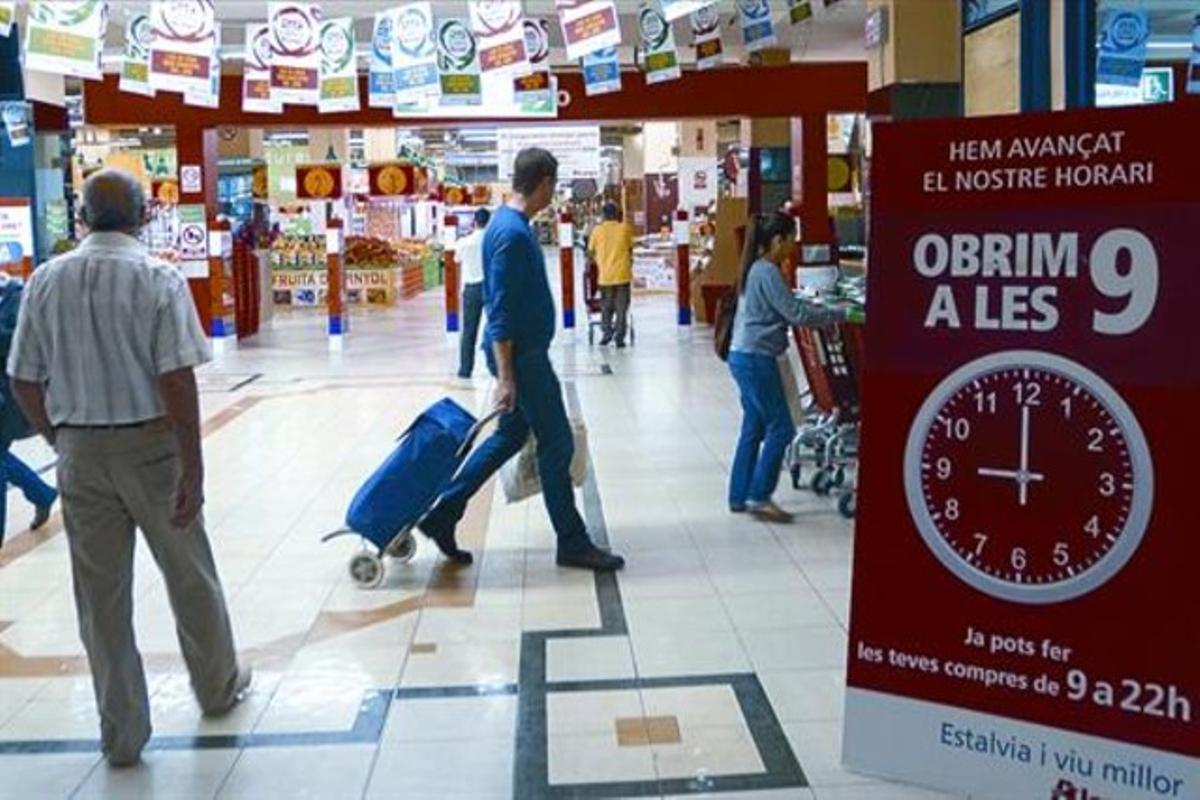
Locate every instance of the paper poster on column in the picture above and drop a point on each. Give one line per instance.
(135, 62)
(16, 122)
(256, 71)
(458, 63)
(1193, 81)
(8, 13)
(296, 46)
(208, 96)
(182, 45)
(339, 66)
(381, 91)
(758, 29)
(602, 72)
(16, 230)
(66, 37)
(414, 54)
(706, 37)
(1123, 43)
(588, 26)
(678, 9)
(659, 54)
(500, 34)
(536, 88)
(800, 11)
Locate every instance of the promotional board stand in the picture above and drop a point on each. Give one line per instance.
(1023, 622)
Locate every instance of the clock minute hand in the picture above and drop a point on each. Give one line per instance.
(1024, 477)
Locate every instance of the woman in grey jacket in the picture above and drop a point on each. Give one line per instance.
(766, 309)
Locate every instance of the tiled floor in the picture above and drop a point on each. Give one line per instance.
(711, 667)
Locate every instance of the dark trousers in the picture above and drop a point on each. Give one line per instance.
(614, 301)
(16, 473)
(472, 305)
(767, 429)
(540, 409)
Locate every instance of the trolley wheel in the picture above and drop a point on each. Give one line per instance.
(797, 477)
(848, 504)
(404, 548)
(839, 477)
(366, 569)
(822, 482)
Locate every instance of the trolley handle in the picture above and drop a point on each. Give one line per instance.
(473, 434)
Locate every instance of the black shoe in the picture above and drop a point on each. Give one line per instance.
(592, 558)
(620, 344)
(445, 541)
(41, 515)
(606, 340)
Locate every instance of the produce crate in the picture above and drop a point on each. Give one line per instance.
(412, 281)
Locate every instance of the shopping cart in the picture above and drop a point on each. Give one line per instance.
(594, 305)
(827, 435)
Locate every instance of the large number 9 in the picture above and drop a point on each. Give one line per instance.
(1139, 283)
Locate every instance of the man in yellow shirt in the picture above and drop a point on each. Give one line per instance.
(611, 245)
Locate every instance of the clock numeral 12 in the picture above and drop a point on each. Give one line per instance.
(1028, 394)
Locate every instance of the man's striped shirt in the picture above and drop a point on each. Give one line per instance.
(99, 325)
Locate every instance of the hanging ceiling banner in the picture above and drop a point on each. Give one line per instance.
(182, 37)
(414, 54)
(588, 26)
(537, 87)
(256, 72)
(458, 63)
(381, 90)
(66, 37)
(8, 13)
(602, 72)
(209, 96)
(706, 38)
(1123, 47)
(339, 66)
(1193, 82)
(678, 9)
(659, 54)
(500, 33)
(135, 62)
(296, 46)
(758, 30)
(800, 11)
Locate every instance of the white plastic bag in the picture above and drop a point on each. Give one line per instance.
(520, 477)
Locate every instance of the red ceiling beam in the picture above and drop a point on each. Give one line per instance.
(781, 91)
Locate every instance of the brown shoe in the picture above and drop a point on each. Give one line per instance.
(769, 512)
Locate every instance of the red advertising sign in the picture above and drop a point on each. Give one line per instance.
(1023, 620)
(318, 181)
(397, 179)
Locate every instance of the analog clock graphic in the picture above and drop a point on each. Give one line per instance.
(1029, 477)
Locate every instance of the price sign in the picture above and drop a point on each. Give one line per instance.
(1025, 525)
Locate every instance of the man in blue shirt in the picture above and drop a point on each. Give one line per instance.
(520, 327)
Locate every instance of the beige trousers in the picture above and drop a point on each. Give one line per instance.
(113, 482)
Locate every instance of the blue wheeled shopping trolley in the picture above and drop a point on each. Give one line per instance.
(401, 491)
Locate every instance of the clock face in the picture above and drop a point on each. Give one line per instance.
(1028, 477)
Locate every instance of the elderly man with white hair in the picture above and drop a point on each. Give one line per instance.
(102, 365)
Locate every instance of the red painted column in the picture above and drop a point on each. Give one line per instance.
(453, 295)
(566, 260)
(335, 288)
(683, 267)
(221, 320)
(814, 175)
(196, 145)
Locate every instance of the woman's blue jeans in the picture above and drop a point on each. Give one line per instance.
(15, 472)
(767, 429)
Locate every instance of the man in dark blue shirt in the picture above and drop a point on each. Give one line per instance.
(520, 327)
